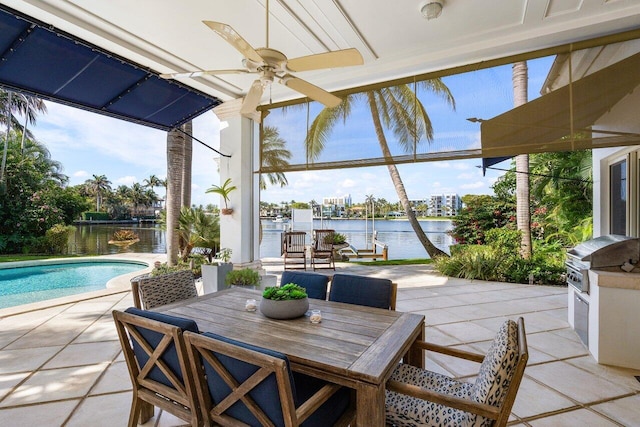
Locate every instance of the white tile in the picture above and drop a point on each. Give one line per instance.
(23, 360)
(55, 384)
(580, 417)
(626, 411)
(50, 414)
(84, 354)
(576, 383)
(115, 378)
(9, 381)
(107, 410)
(535, 399)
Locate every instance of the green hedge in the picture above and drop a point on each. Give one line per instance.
(95, 216)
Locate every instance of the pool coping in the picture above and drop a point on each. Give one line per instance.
(118, 284)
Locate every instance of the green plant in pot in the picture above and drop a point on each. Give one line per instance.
(245, 277)
(284, 302)
(223, 190)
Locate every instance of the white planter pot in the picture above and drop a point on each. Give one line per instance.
(213, 276)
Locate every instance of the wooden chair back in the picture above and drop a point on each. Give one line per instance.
(322, 249)
(240, 384)
(156, 356)
(294, 249)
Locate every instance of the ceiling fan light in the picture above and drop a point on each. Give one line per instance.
(431, 9)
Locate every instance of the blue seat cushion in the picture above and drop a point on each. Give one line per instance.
(266, 394)
(330, 411)
(361, 290)
(314, 283)
(170, 356)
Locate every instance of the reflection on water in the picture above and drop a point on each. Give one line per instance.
(397, 234)
(93, 239)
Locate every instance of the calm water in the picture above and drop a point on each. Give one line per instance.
(24, 285)
(397, 234)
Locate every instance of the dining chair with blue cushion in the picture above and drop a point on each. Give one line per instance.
(363, 290)
(155, 352)
(315, 283)
(241, 383)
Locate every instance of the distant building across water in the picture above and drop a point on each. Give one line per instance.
(444, 205)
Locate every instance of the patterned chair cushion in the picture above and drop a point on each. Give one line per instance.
(498, 367)
(403, 410)
(167, 288)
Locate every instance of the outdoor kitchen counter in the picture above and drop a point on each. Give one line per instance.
(614, 277)
(613, 316)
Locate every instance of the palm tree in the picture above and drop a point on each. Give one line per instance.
(175, 164)
(187, 163)
(274, 155)
(98, 186)
(137, 196)
(399, 109)
(523, 210)
(25, 105)
(152, 182)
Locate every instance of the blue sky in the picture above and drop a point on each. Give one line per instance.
(87, 144)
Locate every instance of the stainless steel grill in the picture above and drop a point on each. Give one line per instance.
(605, 251)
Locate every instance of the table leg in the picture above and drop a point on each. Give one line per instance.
(415, 356)
(370, 410)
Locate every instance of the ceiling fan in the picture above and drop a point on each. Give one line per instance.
(273, 65)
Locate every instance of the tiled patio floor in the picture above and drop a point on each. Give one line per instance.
(63, 365)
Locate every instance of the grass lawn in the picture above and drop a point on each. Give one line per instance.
(21, 257)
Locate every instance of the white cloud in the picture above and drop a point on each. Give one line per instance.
(471, 186)
(436, 184)
(126, 180)
(80, 174)
(349, 183)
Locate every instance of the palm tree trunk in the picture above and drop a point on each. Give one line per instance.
(397, 182)
(188, 159)
(175, 162)
(523, 210)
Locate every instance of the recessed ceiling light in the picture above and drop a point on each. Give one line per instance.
(431, 9)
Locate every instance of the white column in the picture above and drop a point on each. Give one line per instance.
(240, 230)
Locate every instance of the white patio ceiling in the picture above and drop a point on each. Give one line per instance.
(393, 37)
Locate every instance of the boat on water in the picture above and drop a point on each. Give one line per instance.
(279, 218)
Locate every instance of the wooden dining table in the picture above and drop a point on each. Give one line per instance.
(355, 346)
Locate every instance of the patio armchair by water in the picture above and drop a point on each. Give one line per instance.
(153, 291)
(315, 284)
(419, 397)
(322, 249)
(294, 249)
(241, 383)
(363, 290)
(155, 352)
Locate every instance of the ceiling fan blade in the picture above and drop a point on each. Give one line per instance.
(235, 40)
(338, 58)
(201, 73)
(252, 99)
(312, 91)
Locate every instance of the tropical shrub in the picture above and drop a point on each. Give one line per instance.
(57, 238)
(242, 277)
(480, 214)
(95, 216)
(499, 259)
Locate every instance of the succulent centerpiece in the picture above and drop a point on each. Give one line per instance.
(284, 302)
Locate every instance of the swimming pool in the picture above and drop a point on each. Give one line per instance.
(24, 285)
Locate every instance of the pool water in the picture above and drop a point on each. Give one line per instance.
(24, 285)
